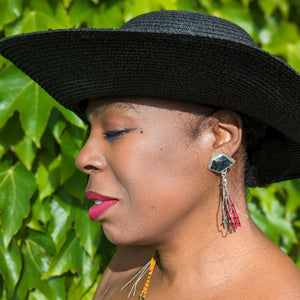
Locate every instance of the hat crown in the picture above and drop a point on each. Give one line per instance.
(190, 24)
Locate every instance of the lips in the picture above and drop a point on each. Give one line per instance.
(102, 203)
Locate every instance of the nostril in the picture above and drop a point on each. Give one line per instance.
(90, 167)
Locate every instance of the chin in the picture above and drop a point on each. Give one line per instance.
(115, 235)
(122, 237)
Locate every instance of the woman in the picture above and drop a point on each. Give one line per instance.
(185, 110)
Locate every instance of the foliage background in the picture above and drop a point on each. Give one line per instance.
(49, 249)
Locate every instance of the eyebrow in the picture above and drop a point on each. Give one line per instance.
(125, 106)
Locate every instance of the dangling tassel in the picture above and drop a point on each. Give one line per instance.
(220, 163)
(152, 265)
(230, 218)
(139, 275)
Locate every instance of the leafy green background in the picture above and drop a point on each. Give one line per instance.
(49, 249)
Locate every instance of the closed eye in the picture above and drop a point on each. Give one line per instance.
(110, 135)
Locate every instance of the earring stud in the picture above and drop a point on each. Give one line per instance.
(220, 162)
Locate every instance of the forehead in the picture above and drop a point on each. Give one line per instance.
(154, 111)
(99, 106)
(135, 104)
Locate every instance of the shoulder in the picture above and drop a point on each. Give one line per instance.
(281, 277)
(124, 264)
(286, 286)
(287, 280)
(266, 272)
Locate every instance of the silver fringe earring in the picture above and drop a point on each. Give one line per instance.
(219, 163)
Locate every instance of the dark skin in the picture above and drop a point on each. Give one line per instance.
(168, 199)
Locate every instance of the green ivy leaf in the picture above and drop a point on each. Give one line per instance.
(61, 15)
(34, 224)
(135, 8)
(111, 16)
(60, 222)
(36, 262)
(10, 10)
(95, 1)
(41, 6)
(246, 2)
(67, 3)
(40, 15)
(12, 83)
(57, 125)
(87, 277)
(26, 151)
(34, 117)
(4, 63)
(236, 13)
(267, 197)
(18, 91)
(76, 185)
(263, 223)
(48, 143)
(69, 258)
(282, 36)
(36, 295)
(17, 186)
(106, 250)
(47, 175)
(269, 6)
(274, 222)
(70, 116)
(293, 55)
(283, 227)
(40, 213)
(78, 136)
(92, 290)
(38, 20)
(68, 145)
(69, 152)
(82, 11)
(10, 265)
(190, 5)
(88, 232)
(44, 240)
(292, 187)
(11, 134)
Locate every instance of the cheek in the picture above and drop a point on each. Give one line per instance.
(157, 199)
(162, 179)
(158, 171)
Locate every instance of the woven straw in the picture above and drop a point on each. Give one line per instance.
(168, 54)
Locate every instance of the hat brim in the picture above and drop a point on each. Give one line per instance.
(77, 64)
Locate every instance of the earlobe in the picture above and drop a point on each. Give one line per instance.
(227, 131)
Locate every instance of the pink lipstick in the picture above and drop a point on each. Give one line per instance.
(102, 203)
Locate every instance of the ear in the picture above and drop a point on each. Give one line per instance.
(227, 129)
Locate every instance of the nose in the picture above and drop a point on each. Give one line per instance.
(90, 158)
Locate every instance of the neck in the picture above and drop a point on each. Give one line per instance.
(207, 253)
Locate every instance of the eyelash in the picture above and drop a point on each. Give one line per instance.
(110, 135)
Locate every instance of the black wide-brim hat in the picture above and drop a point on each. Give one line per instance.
(177, 55)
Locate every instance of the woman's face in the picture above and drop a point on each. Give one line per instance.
(141, 154)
